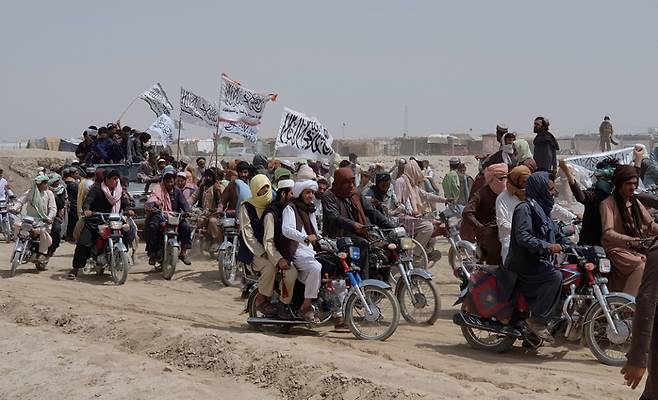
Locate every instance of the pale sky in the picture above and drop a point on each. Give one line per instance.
(458, 65)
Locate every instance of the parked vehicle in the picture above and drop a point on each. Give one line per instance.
(110, 252)
(26, 249)
(589, 312)
(369, 308)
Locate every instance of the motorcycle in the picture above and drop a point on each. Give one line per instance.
(415, 290)
(6, 221)
(26, 249)
(110, 251)
(589, 312)
(460, 250)
(168, 254)
(228, 250)
(370, 310)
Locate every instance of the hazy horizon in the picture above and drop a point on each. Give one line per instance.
(456, 65)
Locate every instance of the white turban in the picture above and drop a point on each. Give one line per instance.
(303, 185)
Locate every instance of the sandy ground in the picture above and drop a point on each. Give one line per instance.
(187, 338)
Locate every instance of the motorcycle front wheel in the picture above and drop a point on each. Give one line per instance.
(610, 348)
(423, 304)
(384, 316)
(119, 269)
(226, 267)
(170, 261)
(15, 260)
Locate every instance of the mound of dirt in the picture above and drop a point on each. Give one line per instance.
(20, 166)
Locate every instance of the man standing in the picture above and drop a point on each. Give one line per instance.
(546, 146)
(451, 182)
(605, 134)
(72, 186)
(644, 342)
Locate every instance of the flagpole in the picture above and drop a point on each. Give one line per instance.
(126, 110)
(180, 125)
(215, 139)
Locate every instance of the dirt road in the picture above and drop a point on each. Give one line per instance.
(187, 338)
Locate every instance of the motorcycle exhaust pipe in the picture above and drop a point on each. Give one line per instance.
(471, 321)
(270, 321)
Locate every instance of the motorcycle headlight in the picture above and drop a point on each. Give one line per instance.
(116, 225)
(406, 243)
(399, 232)
(453, 221)
(604, 266)
(355, 253)
(101, 228)
(228, 222)
(24, 234)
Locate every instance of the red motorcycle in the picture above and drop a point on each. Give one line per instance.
(589, 312)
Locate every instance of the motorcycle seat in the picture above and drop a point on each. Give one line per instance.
(490, 269)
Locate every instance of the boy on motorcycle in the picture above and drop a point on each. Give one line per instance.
(167, 198)
(40, 202)
(104, 197)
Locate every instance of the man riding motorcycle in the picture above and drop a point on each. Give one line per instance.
(167, 198)
(300, 232)
(104, 197)
(528, 268)
(347, 213)
(40, 203)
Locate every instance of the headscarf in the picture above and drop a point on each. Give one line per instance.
(159, 195)
(115, 198)
(507, 149)
(53, 179)
(632, 220)
(259, 202)
(300, 186)
(516, 181)
(189, 178)
(493, 175)
(342, 176)
(536, 189)
(36, 203)
(522, 150)
(413, 179)
(305, 173)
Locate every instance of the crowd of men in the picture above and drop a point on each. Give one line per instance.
(283, 208)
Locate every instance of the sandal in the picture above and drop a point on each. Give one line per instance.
(309, 316)
(72, 275)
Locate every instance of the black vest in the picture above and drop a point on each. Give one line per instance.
(244, 254)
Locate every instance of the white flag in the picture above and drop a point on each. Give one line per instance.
(241, 109)
(303, 135)
(157, 100)
(163, 126)
(197, 110)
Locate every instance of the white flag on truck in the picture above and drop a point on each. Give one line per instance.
(157, 99)
(164, 127)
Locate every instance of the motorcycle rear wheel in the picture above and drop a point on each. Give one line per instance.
(497, 343)
(15, 260)
(226, 268)
(119, 269)
(427, 299)
(597, 333)
(254, 313)
(358, 320)
(169, 266)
